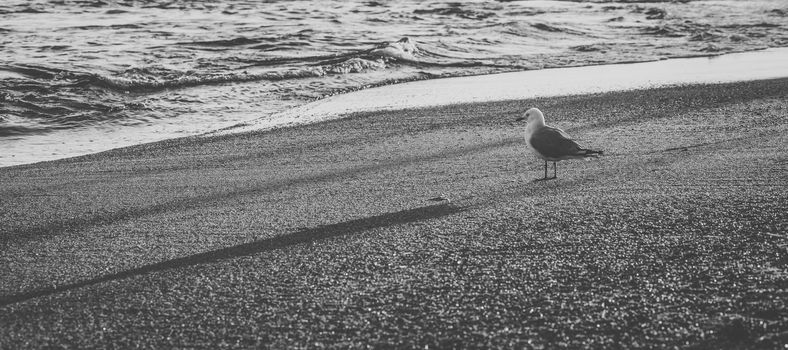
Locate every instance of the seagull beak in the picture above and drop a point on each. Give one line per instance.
(519, 119)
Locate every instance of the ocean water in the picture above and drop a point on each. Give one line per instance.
(80, 76)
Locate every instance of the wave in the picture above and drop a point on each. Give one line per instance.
(404, 49)
(112, 26)
(39, 99)
(455, 9)
(28, 9)
(226, 43)
(299, 38)
(539, 30)
(157, 78)
(556, 29)
(152, 78)
(33, 71)
(591, 48)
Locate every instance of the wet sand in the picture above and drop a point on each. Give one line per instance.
(417, 228)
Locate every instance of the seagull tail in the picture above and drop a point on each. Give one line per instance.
(590, 153)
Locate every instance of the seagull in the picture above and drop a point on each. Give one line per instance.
(551, 143)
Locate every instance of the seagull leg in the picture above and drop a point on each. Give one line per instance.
(554, 175)
(545, 170)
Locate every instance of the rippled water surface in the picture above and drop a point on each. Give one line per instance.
(119, 72)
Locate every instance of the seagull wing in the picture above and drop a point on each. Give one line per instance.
(553, 143)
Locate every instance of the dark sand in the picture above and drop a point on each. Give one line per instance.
(417, 228)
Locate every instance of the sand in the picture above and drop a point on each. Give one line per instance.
(417, 228)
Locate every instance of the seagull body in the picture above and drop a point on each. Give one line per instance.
(551, 144)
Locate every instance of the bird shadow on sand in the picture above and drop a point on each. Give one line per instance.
(543, 179)
(303, 236)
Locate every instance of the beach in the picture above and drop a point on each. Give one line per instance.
(417, 228)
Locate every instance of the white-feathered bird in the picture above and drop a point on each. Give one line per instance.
(550, 143)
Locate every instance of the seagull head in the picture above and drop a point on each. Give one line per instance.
(532, 116)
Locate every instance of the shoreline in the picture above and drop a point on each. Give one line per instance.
(433, 92)
(416, 227)
(549, 82)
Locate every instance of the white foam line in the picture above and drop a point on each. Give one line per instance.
(757, 65)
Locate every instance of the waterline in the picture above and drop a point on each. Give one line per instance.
(745, 66)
